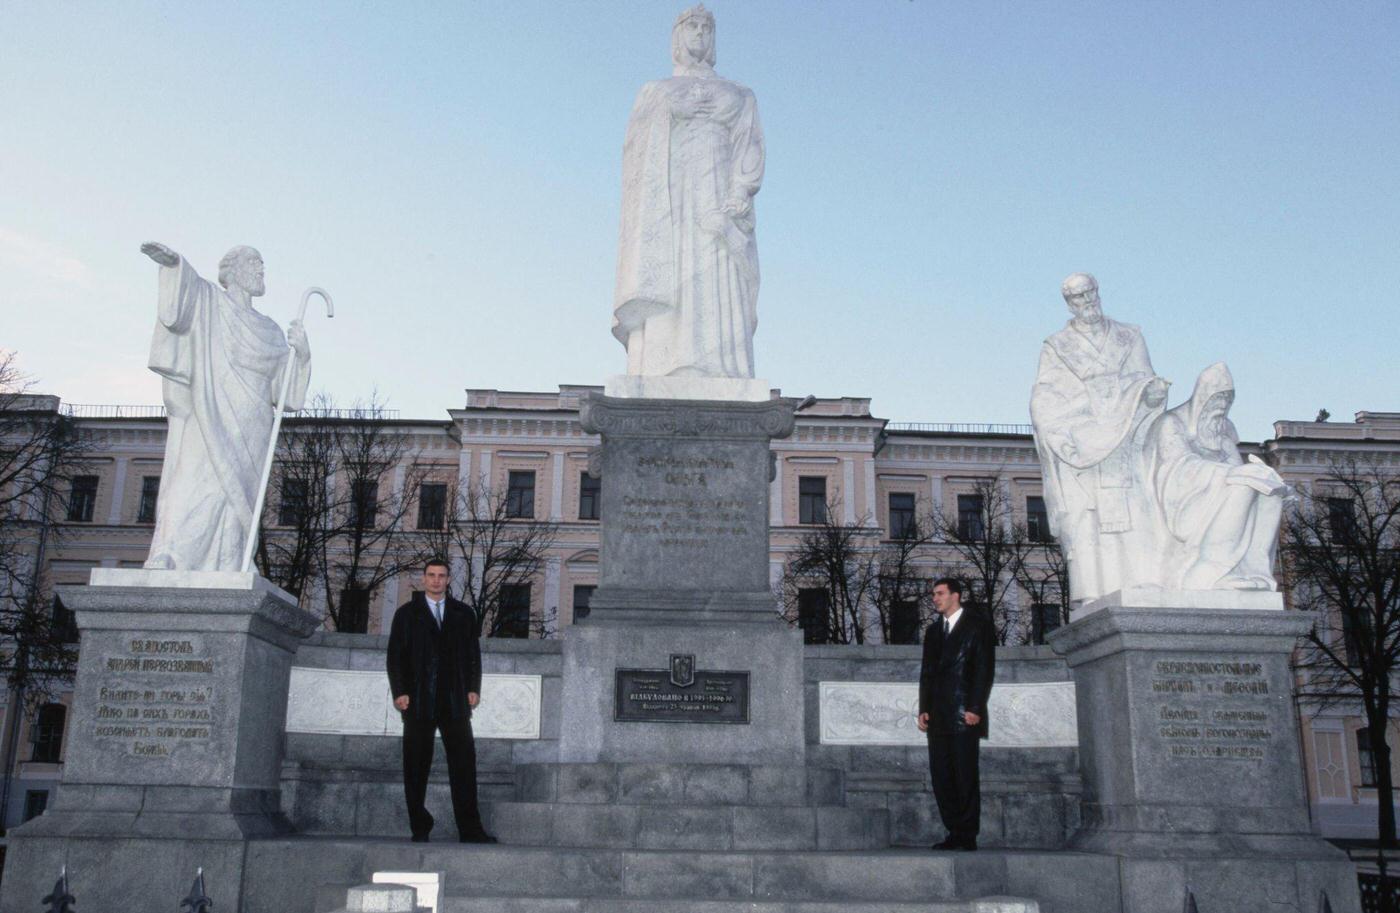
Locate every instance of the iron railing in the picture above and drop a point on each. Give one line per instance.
(959, 427)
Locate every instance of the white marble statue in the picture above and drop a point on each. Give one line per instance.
(1222, 513)
(687, 267)
(221, 364)
(1095, 398)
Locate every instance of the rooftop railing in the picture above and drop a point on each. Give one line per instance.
(958, 428)
(89, 410)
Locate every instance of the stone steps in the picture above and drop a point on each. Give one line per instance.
(523, 879)
(678, 784)
(688, 827)
(624, 905)
(1062, 882)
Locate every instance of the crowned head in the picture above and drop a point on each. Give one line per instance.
(693, 38)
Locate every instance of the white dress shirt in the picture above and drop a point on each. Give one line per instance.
(949, 621)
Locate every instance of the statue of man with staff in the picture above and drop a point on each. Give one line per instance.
(223, 366)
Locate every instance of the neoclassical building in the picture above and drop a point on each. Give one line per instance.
(530, 449)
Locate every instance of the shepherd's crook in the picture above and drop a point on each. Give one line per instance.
(277, 426)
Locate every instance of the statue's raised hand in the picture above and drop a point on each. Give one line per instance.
(160, 253)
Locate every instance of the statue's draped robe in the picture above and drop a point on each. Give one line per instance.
(1189, 475)
(1090, 424)
(686, 296)
(222, 364)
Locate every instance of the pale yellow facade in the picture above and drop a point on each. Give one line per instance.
(861, 459)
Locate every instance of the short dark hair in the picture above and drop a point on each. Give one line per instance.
(953, 584)
(436, 562)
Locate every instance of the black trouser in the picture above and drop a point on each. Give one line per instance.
(952, 765)
(460, 748)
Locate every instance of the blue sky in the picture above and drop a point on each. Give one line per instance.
(450, 172)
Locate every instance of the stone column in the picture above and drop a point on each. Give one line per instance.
(1189, 751)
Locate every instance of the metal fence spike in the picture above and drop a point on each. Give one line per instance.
(198, 901)
(59, 900)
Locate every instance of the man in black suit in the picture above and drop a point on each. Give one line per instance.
(435, 675)
(955, 682)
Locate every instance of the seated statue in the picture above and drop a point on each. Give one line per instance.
(1222, 512)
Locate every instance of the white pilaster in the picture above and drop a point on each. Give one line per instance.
(388, 604)
(484, 478)
(114, 512)
(872, 513)
(775, 494)
(848, 490)
(556, 488)
(551, 588)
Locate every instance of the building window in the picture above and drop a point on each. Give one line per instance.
(292, 508)
(513, 619)
(1366, 757)
(432, 505)
(354, 611)
(971, 527)
(48, 734)
(82, 499)
(583, 596)
(35, 801)
(520, 494)
(904, 622)
(902, 525)
(64, 622)
(1037, 520)
(811, 499)
(364, 503)
(150, 491)
(1341, 519)
(1045, 617)
(813, 617)
(590, 497)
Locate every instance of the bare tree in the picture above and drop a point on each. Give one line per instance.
(41, 454)
(1043, 573)
(498, 553)
(987, 544)
(831, 583)
(345, 481)
(903, 601)
(1341, 558)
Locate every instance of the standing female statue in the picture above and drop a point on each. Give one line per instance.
(687, 265)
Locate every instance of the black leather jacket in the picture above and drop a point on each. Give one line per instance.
(956, 676)
(435, 668)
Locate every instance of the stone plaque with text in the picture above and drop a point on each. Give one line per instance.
(652, 696)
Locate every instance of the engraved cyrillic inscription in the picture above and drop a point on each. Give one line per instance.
(156, 697)
(1212, 709)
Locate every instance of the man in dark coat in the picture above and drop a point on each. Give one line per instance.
(435, 676)
(955, 682)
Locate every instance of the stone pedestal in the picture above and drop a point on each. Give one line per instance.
(683, 592)
(1188, 744)
(175, 747)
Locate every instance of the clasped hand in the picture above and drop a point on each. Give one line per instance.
(969, 719)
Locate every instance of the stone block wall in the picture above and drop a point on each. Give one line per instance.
(351, 784)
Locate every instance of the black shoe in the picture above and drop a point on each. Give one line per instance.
(967, 845)
(481, 837)
(419, 838)
(948, 843)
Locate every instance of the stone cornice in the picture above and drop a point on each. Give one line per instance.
(621, 418)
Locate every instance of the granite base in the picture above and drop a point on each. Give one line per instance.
(1190, 759)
